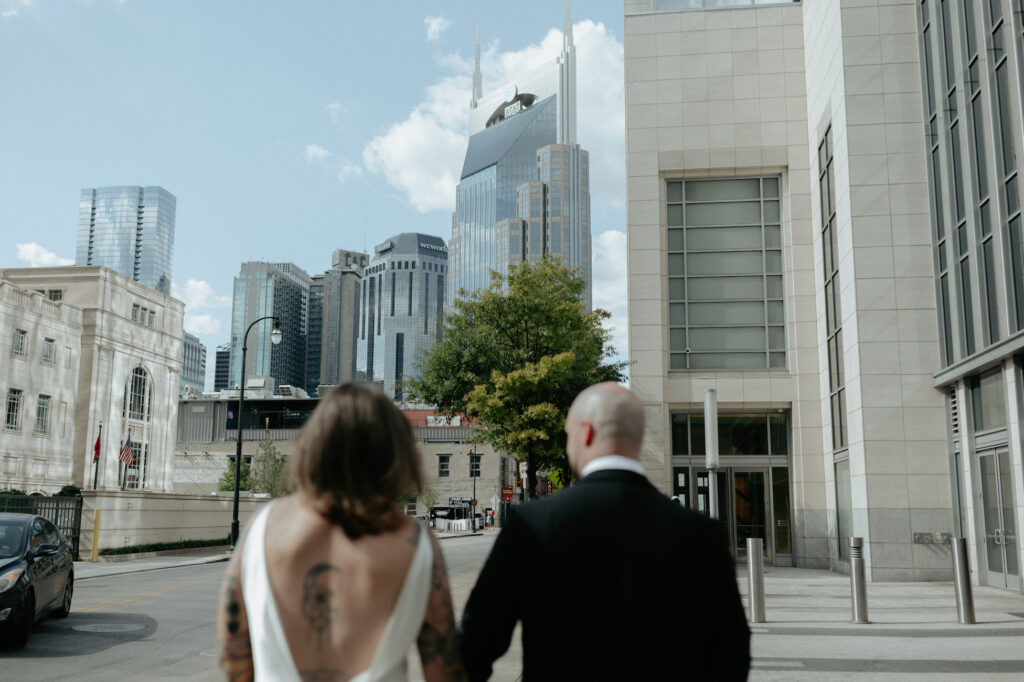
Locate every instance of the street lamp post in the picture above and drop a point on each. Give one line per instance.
(473, 475)
(275, 338)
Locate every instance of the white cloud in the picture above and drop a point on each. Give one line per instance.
(436, 26)
(199, 295)
(10, 8)
(202, 325)
(39, 257)
(609, 279)
(315, 152)
(349, 170)
(335, 110)
(422, 155)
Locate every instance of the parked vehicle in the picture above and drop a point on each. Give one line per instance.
(36, 575)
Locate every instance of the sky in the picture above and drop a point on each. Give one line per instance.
(285, 130)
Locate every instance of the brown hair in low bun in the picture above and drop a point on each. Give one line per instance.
(356, 456)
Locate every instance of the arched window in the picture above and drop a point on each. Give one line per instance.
(137, 417)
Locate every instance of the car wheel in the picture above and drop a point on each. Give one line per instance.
(65, 607)
(19, 637)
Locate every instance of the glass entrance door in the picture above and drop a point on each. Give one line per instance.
(997, 512)
(750, 510)
(743, 498)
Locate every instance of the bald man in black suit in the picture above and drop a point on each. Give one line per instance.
(610, 579)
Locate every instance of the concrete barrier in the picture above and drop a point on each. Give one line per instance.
(141, 517)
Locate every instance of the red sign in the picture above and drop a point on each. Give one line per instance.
(506, 493)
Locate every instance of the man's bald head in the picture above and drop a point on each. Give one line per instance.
(605, 419)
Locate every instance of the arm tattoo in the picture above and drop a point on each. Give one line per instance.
(236, 648)
(231, 606)
(437, 643)
(316, 600)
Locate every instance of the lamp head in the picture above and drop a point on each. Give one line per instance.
(275, 333)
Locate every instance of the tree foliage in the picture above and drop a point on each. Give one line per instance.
(269, 471)
(513, 357)
(227, 479)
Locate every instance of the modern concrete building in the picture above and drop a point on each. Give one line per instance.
(193, 368)
(263, 289)
(783, 250)
(86, 346)
(524, 191)
(401, 308)
(341, 316)
(130, 230)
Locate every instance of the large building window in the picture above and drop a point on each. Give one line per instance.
(444, 466)
(137, 416)
(725, 274)
(19, 345)
(738, 434)
(474, 466)
(49, 351)
(42, 427)
(833, 306)
(12, 419)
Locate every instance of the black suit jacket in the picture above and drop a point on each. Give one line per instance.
(612, 581)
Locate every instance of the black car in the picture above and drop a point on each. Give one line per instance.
(36, 574)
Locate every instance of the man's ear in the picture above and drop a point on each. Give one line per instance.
(588, 434)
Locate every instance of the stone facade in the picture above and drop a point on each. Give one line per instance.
(125, 365)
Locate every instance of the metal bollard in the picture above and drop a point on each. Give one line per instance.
(858, 588)
(755, 579)
(962, 583)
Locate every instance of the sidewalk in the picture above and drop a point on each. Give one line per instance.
(913, 631)
(85, 570)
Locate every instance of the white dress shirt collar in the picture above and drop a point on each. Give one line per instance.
(612, 462)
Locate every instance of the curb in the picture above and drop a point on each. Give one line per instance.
(117, 558)
(129, 569)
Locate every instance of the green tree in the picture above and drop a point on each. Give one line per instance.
(227, 479)
(429, 498)
(514, 356)
(269, 471)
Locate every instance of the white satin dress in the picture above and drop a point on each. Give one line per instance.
(272, 658)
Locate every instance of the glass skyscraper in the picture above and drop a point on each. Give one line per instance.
(261, 289)
(129, 229)
(524, 188)
(401, 307)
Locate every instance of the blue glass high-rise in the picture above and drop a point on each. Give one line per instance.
(129, 229)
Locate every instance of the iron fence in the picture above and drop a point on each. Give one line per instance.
(63, 512)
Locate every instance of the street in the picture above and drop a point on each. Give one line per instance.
(160, 624)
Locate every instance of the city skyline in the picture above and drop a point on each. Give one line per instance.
(263, 149)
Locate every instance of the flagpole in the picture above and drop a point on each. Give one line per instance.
(96, 459)
(124, 477)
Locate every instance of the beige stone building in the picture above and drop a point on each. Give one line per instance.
(785, 248)
(84, 345)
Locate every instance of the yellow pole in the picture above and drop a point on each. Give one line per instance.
(93, 557)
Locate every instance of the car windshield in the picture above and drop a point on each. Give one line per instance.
(12, 536)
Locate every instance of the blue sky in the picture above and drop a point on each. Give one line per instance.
(285, 130)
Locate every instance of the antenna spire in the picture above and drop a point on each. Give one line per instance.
(478, 90)
(567, 25)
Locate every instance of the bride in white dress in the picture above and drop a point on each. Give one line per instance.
(333, 582)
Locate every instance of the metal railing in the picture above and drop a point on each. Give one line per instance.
(262, 434)
(63, 512)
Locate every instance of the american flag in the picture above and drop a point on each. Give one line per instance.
(126, 451)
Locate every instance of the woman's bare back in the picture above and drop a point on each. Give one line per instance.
(334, 595)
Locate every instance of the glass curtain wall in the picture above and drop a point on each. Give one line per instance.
(725, 286)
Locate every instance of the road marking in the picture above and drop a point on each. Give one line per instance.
(774, 663)
(108, 627)
(142, 595)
